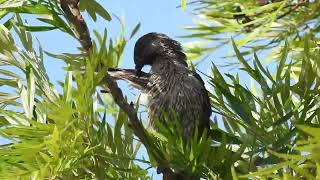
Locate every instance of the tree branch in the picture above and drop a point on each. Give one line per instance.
(79, 26)
(77, 23)
(129, 75)
(134, 121)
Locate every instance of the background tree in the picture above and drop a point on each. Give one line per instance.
(269, 130)
(279, 112)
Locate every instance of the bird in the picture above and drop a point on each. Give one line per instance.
(174, 90)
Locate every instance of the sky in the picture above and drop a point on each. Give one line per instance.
(155, 16)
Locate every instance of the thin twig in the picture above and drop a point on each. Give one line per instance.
(292, 8)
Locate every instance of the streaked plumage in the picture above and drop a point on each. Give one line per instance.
(171, 85)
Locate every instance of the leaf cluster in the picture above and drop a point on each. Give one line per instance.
(253, 25)
(77, 133)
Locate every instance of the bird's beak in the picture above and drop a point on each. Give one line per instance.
(138, 69)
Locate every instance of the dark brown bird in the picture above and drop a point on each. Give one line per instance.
(173, 88)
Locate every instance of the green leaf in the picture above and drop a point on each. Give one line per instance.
(282, 61)
(12, 4)
(236, 104)
(183, 4)
(67, 89)
(38, 28)
(284, 119)
(135, 30)
(309, 130)
(9, 73)
(56, 21)
(240, 57)
(93, 8)
(267, 171)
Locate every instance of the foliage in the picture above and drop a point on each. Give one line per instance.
(60, 135)
(273, 117)
(269, 118)
(255, 24)
(270, 130)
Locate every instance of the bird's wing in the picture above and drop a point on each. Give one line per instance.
(206, 104)
(129, 75)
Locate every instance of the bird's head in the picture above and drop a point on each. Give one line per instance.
(151, 45)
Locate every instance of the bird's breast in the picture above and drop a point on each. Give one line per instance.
(177, 94)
